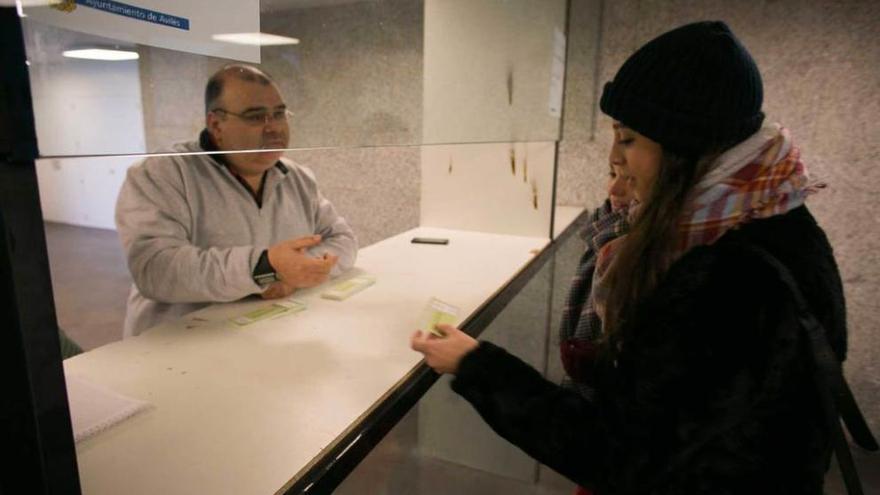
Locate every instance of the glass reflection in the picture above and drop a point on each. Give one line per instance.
(353, 73)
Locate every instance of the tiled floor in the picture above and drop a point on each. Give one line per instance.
(91, 282)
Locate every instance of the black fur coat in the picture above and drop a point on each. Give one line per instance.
(712, 391)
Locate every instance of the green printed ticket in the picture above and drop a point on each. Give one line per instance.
(347, 288)
(437, 312)
(266, 312)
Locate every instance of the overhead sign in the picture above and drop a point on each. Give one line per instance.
(185, 26)
(138, 13)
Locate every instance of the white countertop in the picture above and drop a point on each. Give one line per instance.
(244, 409)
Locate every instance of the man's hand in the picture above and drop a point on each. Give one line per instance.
(277, 290)
(296, 268)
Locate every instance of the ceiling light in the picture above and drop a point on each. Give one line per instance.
(255, 39)
(20, 5)
(25, 3)
(102, 54)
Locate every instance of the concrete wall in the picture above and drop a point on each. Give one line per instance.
(81, 107)
(487, 70)
(354, 79)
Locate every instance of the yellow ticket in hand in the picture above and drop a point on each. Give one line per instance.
(435, 313)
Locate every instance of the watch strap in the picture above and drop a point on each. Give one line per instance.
(264, 274)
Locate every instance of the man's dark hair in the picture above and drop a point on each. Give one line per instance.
(214, 88)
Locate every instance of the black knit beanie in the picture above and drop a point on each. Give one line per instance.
(691, 89)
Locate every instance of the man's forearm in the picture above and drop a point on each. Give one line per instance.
(187, 274)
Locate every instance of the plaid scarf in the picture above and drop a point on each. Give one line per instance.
(581, 328)
(759, 178)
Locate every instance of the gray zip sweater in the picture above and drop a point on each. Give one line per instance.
(192, 233)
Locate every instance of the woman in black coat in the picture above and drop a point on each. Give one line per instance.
(703, 380)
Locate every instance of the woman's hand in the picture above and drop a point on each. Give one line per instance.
(443, 353)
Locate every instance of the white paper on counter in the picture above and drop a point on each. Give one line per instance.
(95, 408)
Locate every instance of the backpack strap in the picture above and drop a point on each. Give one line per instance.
(834, 392)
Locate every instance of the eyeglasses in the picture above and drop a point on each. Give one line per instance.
(259, 117)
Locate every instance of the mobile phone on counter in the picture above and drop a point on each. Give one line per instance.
(429, 240)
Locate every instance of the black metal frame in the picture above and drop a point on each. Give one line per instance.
(36, 438)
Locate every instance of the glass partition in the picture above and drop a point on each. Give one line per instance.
(450, 107)
(114, 78)
(408, 114)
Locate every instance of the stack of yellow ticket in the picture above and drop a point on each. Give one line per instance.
(347, 288)
(273, 310)
(437, 312)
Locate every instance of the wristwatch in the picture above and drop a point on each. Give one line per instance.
(264, 274)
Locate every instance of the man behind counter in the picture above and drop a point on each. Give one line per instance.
(199, 229)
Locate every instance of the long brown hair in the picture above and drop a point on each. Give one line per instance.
(646, 252)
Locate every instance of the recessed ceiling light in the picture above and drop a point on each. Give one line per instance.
(255, 39)
(20, 5)
(113, 54)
